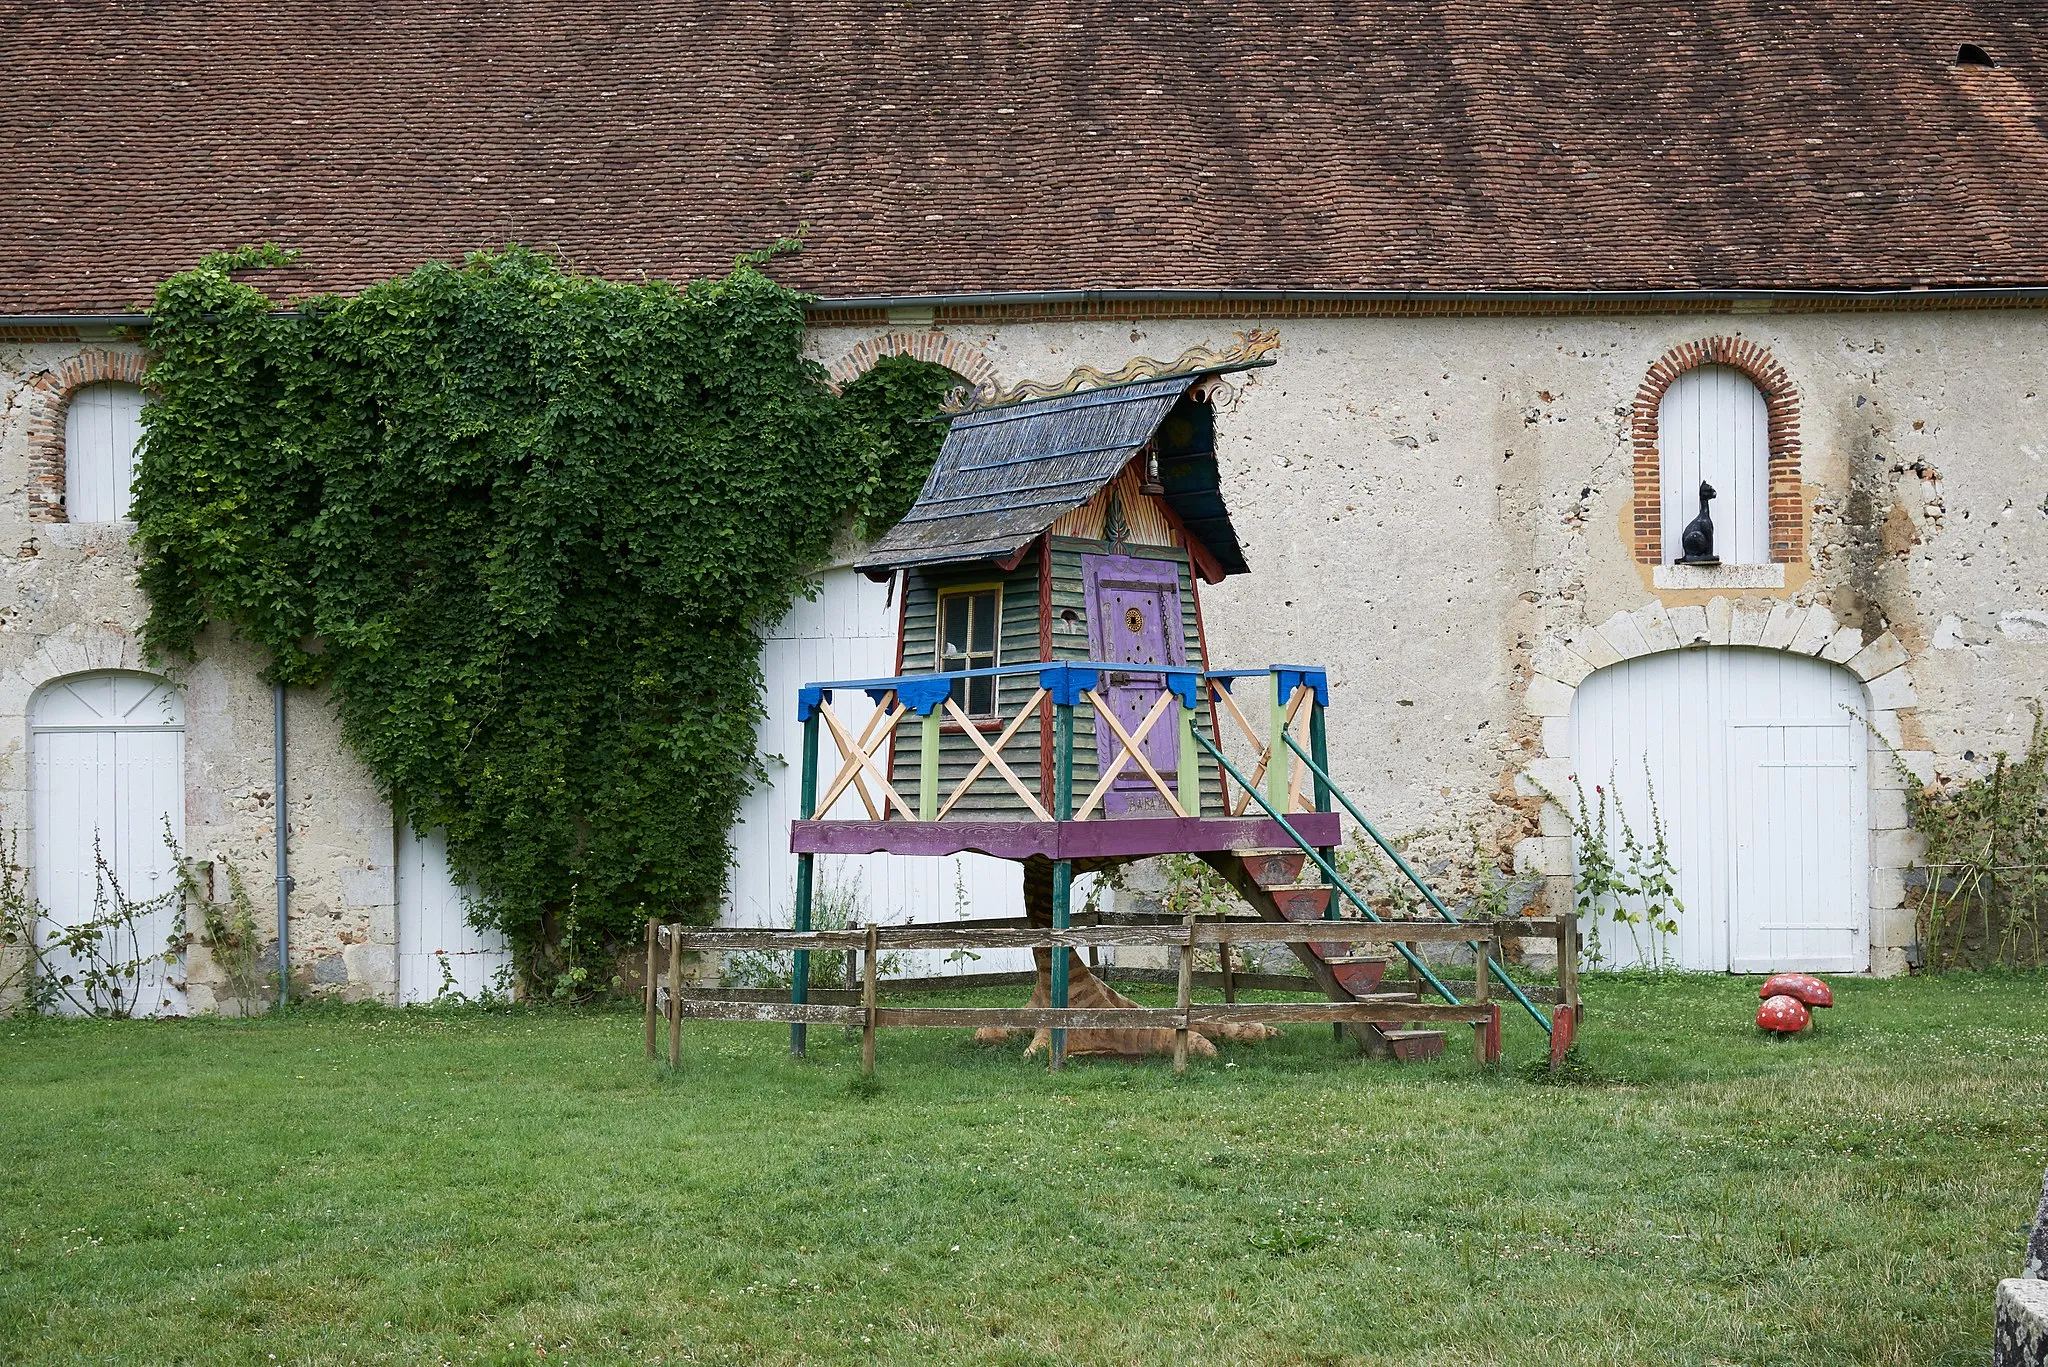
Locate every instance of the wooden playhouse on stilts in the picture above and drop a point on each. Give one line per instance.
(1054, 704)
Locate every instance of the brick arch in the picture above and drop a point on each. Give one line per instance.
(970, 363)
(1781, 405)
(51, 392)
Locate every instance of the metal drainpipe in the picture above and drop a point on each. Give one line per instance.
(284, 877)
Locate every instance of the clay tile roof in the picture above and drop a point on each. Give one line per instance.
(935, 147)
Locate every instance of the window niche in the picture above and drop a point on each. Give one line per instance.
(102, 425)
(1714, 428)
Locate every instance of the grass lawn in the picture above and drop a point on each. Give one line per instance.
(381, 1186)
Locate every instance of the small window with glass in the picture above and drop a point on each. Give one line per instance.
(967, 640)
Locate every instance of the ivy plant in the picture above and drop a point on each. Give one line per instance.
(527, 527)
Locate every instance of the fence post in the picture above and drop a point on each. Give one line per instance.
(867, 1002)
(1186, 996)
(1480, 993)
(651, 934)
(1062, 870)
(675, 996)
(1564, 1017)
(800, 968)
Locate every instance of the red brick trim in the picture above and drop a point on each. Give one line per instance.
(1781, 403)
(50, 394)
(968, 362)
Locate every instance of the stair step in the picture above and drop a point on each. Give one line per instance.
(1415, 1046)
(1302, 902)
(1357, 974)
(1271, 868)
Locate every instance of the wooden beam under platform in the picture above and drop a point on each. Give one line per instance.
(1103, 838)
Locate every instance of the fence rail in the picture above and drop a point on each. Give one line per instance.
(670, 1001)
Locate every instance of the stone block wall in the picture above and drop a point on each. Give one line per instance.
(69, 604)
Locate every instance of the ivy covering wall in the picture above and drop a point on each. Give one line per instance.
(527, 526)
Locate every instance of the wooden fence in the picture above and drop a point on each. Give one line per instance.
(668, 1000)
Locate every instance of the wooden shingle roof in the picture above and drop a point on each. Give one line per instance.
(1008, 473)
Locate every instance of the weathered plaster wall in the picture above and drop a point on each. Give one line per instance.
(1439, 507)
(69, 604)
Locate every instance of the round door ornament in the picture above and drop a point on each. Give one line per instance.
(1134, 619)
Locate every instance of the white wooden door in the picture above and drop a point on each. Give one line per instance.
(439, 951)
(1713, 425)
(848, 631)
(106, 788)
(1798, 813)
(1759, 771)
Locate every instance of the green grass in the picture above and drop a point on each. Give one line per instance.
(372, 1186)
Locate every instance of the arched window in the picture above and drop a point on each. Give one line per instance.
(102, 425)
(1713, 426)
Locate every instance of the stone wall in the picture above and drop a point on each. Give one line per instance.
(69, 604)
(1443, 509)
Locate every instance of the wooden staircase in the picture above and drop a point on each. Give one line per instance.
(1270, 880)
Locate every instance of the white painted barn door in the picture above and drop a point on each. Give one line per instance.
(434, 929)
(1760, 776)
(107, 762)
(1713, 425)
(849, 632)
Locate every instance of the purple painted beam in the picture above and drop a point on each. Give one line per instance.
(1124, 837)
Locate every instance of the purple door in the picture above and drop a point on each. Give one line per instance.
(1134, 618)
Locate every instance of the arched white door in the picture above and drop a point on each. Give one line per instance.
(439, 951)
(107, 785)
(1758, 763)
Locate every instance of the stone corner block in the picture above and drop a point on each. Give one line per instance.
(1553, 775)
(1746, 627)
(1889, 692)
(1720, 620)
(1589, 645)
(1562, 663)
(2019, 1323)
(1814, 632)
(1780, 626)
(1896, 849)
(1545, 854)
(1546, 697)
(1624, 635)
(1655, 624)
(1881, 656)
(1689, 625)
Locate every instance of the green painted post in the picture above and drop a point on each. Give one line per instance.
(1190, 780)
(1319, 747)
(1062, 870)
(800, 973)
(1279, 764)
(928, 769)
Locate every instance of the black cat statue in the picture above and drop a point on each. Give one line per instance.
(1698, 536)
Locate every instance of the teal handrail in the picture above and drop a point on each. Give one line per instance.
(1329, 870)
(1324, 780)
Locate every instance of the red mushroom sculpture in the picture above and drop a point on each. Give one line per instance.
(1784, 1014)
(1805, 986)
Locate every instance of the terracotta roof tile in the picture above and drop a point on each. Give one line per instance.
(937, 147)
